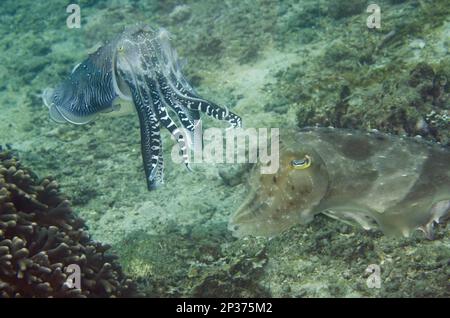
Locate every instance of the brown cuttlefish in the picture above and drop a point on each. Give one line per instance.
(396, 184)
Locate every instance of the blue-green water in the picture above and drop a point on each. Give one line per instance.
(276, 64)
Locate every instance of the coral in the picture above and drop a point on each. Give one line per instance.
(287, 42)
(40, 236)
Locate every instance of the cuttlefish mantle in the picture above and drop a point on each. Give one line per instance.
(141, 68)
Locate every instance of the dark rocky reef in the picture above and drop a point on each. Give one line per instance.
(40, 236)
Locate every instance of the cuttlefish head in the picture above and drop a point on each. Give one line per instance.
(278, 201)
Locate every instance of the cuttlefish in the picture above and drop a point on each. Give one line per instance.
(396, 184)
(141, 68)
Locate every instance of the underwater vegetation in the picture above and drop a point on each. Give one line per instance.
(199, 265)
(370, 179)
(395, 80)
(415, 104)
(140, 66)
(286, 64)
(40, 236)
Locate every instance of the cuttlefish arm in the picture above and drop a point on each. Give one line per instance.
(92, 88)
(139, 66)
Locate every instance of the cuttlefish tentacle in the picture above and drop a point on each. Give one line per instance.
(151, 145)
(164, 97)
(202, 105)
(152, 113)
(156, 78)
(165, 120)
(186, 118)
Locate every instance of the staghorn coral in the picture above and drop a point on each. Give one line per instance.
(40, 236)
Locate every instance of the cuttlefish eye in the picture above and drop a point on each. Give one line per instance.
(300, 164)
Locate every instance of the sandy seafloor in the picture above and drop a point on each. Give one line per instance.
(273, 63)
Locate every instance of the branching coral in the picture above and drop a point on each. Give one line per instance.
(40, 236)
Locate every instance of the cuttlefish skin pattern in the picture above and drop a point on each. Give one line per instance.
(138, 66)
(396, 184)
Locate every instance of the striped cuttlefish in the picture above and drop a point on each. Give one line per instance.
(138, 69)
(396, 184)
